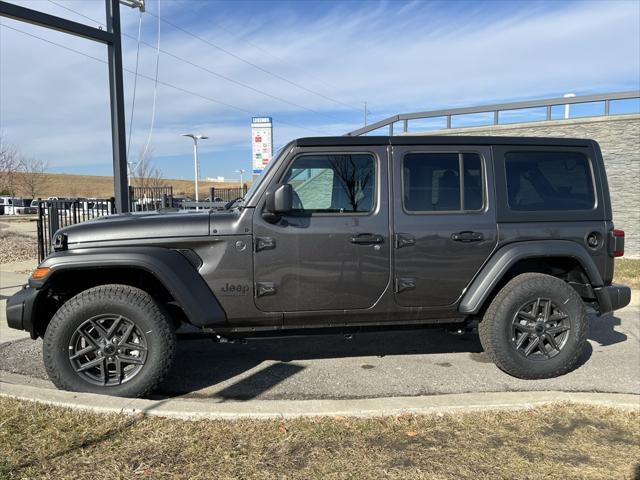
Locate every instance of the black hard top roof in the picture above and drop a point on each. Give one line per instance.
(437, 140)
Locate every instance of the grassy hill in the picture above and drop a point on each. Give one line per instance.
(65, 185)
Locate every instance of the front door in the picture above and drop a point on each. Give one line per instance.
(332, 251)
(444, 221)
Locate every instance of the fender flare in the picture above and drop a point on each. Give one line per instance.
(169, 267)
(504, 258)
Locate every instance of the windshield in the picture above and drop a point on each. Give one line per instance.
(260, 178)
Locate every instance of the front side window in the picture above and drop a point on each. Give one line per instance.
(544, 180)
(342, 183)
(432, 182)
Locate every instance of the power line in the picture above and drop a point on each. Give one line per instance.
(135, 85)
(205, 69)
(155, 89)
(160, 82)
(248, 62)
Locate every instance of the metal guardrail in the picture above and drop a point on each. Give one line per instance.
(548, 103)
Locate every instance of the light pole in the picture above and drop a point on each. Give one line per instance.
(195, 138)
(241, 171)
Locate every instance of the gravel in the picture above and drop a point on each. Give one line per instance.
(17, 247)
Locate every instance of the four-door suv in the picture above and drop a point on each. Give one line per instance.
(343, 233)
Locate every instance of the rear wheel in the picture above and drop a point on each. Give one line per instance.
(536, 327)
(111, 339)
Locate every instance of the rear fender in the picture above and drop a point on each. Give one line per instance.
(504, 258)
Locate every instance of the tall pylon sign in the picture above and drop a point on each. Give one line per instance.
(261, 143)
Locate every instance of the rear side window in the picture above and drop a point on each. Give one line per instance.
(544, 180)
(433, 182)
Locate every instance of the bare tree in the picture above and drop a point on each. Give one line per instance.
(10, 164)
(354, 178)
(33, 176)
(145, 173)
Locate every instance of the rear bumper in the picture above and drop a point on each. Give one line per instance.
(612, 297)
(20, 309)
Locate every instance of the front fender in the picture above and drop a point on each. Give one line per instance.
(169, 267)
(504, 258)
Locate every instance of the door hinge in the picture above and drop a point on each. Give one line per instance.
(405, 283)
(264, 289)
(265, 243)
(404, 240)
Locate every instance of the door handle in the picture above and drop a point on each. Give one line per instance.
(467, 236)
(367, 239)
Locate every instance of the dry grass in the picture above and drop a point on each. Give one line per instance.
(95, 186)
(561, 441)
(627, 271)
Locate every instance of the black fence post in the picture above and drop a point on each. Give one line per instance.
(40, 230)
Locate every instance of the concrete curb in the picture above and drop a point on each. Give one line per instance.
(270, 409)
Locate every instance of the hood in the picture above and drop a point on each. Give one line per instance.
(136, 226)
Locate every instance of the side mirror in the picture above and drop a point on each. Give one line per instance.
(278, 202)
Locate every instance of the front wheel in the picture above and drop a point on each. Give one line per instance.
(111, 339)
(536, 327)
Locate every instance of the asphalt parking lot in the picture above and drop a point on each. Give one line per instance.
(368, 365)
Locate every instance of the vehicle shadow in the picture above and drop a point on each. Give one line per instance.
(602, 330)
(202, 363)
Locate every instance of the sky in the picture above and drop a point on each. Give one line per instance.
(310, 65)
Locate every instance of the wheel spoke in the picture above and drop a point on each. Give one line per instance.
(88, 338)
(131, 359)
(542, 347)
(552, 341)
(526, 315)
(536, 307)
(133, 346)
(83, 352)
(114, 326)
(532, 345)
(127, 333)
(557, 329)
(521, 340)
(557, 316)
(90, 364)
(547, 310)
(98, 328)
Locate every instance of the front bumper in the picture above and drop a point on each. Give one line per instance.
(20, 309)
(612, 297)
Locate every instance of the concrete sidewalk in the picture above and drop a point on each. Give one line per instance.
(264, 409)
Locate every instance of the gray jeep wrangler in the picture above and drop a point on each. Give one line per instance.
(343, 233)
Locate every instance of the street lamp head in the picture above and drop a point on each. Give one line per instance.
(195, 136)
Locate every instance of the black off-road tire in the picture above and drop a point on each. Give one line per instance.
(130, 302)
(496, 334)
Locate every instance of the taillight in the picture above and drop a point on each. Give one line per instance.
(618, 242)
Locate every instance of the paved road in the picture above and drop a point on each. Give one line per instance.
(421, 362)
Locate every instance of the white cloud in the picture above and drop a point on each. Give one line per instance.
(417, 56)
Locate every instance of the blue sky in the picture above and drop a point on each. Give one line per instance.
(309, 65)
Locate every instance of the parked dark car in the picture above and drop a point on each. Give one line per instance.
(343, 233)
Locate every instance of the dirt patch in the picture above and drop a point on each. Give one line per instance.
(17, 247)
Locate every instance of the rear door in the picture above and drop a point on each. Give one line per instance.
(443, 220)
(332, 252)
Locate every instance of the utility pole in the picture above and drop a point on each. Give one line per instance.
(196, 167)
(365, 114)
